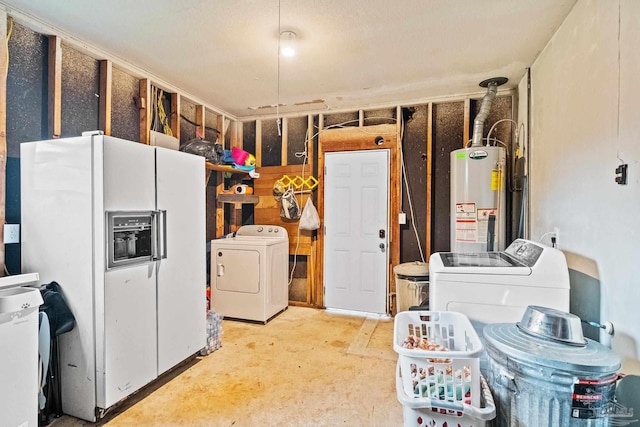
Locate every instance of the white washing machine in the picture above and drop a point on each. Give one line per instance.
(497, 287)
(249, 273)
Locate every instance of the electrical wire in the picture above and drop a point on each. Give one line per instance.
(9, 32)
(408, 191)
(548, 233)
(191, 122)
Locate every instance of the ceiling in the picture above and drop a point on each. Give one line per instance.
(351, 54)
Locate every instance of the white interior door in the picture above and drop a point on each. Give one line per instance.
(356, 198)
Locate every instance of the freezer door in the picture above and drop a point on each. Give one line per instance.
(129, 175)
(182, 274)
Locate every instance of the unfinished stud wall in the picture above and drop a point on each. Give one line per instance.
(187, 120)
(249, 137)
(125, 119)
(271, 153)
(27, 99)
(414, 151)
(341, 119)
(26, 82)
(448, 134)
(80, 92)
(379, 117)
(296, 137)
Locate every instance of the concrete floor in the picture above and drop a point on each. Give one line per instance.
(305, 367)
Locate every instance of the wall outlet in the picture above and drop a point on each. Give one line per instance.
(11, 233)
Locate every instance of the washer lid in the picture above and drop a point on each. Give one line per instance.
(412, 270)
(508, 339)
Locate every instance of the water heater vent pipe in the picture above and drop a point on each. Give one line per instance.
(485, 107)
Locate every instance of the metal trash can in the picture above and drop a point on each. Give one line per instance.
(538, 380)
(412, 285)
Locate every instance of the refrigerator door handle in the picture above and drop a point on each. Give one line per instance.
(159, 246)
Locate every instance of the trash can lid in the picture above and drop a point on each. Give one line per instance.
(409, 270)
(508, 339)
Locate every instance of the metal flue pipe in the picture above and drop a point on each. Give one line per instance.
(485, 107)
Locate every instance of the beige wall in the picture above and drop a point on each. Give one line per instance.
(585, 117)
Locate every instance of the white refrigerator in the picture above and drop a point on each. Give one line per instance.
(121, 227)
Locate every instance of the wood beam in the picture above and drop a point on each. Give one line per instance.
(429, 152)
(284, 158)
(222, 131)
(200, 123)
(258, 143)
(3, 130)
(55, 87)
(175, 115)
(309, 141)
(467, 120)
(106, 79)
(145, 110)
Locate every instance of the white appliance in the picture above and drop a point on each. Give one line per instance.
(249, 273)
(19, 353)
(494, 287)
(478, 199)
(121, 227)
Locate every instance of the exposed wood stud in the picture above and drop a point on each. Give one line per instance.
(106, 79)
(175, 115)
(238, 134)
(467, 120)
(145, 110)
(55, 87)
(284, 158)
(429, 152)
(200, 123)
(222, 130)
(309, 142)
(258, 143)
(3, 132)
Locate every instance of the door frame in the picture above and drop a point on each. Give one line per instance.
(377, 137)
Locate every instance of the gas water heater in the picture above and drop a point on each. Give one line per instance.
(478, 193)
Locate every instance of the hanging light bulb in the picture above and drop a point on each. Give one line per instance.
(288, 43)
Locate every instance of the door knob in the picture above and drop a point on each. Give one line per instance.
(382, 247)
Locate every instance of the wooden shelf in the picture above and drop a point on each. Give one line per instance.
(224, 168)
(238, 198)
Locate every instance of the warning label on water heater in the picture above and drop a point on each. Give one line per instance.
(466, 222)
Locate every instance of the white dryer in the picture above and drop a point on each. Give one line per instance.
(249, 273)
(496, 287)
